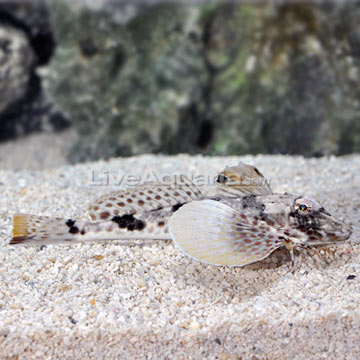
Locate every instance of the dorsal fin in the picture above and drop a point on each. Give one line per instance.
(242, 180)
(143, 198)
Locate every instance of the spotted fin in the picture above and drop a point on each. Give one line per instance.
(142, 199)
(39, 230)
(242, 180)
(214, 233)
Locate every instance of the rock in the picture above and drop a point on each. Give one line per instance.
(220, 79)
(26, 42)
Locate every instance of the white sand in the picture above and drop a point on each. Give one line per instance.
(147, 300)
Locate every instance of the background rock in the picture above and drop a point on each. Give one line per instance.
(26, 42)
(213, 78)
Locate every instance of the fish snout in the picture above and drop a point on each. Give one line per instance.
(343, 232)
(347, 230)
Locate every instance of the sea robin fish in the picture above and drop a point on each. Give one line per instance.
(241, 223)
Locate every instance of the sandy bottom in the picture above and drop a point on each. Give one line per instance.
(147, 300)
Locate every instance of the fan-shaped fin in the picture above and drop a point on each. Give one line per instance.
(215, 233)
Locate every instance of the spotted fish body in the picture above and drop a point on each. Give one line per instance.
(243, 221)
(139, 213)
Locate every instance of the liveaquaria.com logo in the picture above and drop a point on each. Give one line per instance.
(117, 178)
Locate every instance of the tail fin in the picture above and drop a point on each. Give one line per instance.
(39, 230)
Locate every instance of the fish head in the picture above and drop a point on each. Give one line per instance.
(241, 180)
(308, 216)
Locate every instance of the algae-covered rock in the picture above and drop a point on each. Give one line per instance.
(216, 78)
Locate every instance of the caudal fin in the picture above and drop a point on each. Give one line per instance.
(39, 230)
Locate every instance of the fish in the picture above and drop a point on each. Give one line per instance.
(140, 212)
(238, 222)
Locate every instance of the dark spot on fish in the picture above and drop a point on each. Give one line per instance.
(308, 221)
(74, 230)
(161, 223)
(104, 215)
(141, 202)
(257, 171)
(73, 321)
(129, 222)
(121, 204)
(250, 202)
(133, 196)
(129, 201)
(83, 232)
(217, 340)
(351, 277)
(70, 223)
(157, 197)
(221, 179)
(108, 205)
(177, 207)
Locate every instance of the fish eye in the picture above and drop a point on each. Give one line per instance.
(221, 179)
(303, 208)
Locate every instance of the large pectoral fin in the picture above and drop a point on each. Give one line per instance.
(214, 233)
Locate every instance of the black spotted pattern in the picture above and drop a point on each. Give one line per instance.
(129, 222)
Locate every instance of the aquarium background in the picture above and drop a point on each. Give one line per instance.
(218, 78)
